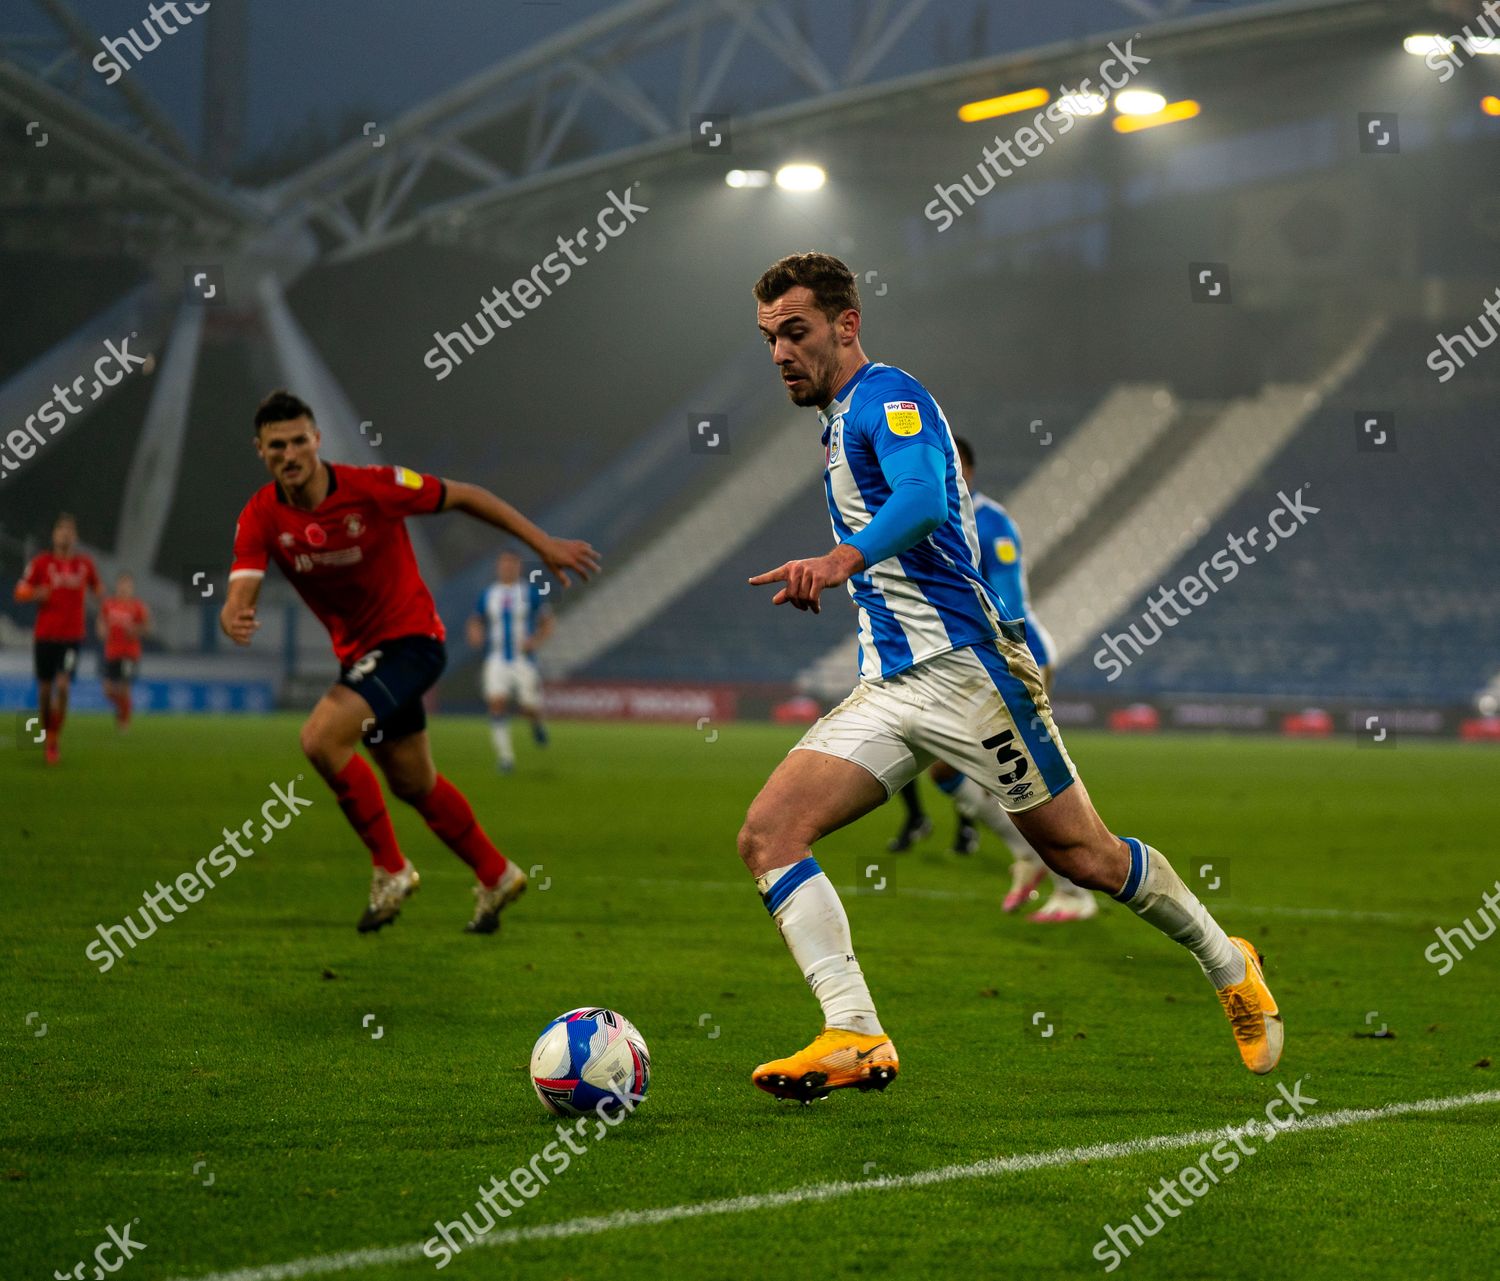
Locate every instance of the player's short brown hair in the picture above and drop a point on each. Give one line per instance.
(282, 407)
(965, 451)
(832, 283)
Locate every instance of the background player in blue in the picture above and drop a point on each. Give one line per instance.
(512, 620)
(942, 676)
(1001, 565)
(1004, 567)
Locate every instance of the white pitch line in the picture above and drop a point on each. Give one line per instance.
(594, 1225)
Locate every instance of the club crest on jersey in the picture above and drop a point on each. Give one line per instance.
(286, 539)
(903, 417)
(408, 479)
(835, 441)
(1005, 551)
(353, 525)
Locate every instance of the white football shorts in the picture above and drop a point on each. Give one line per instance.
(517, 680)
(981, 709)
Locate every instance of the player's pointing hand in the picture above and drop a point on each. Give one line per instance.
(562, 554)
(807, 579)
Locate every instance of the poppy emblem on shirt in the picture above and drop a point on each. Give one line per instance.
(315, 535)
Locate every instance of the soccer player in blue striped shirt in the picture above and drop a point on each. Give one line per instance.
(512, 620)
(943, 675)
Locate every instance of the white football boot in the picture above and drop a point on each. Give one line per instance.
(489, 900)
(1067, 902)
(388, 891)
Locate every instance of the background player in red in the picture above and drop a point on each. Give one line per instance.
(338, 533)
(57, 581)
(123, 620)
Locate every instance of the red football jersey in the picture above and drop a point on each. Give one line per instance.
(351, 558)
(60, 616)
(124, 619)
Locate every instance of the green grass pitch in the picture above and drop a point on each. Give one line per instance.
(223, 1090)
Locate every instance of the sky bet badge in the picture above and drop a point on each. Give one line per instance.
(903, 417)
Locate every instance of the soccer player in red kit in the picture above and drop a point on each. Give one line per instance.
(123, 620)
(57, 581)
(338, 534)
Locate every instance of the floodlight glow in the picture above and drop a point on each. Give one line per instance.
(1490, 105)
(738, 178)
(1006, 104)
(1139, 102)
(1083, 104)
(1421, 46)
(801, 177)
(1171, 114)
(1487, 45)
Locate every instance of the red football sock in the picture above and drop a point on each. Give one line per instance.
(359, 796)
(125, 707)
(452, 819)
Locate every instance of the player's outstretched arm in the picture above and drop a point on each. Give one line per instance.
(918, 504)
(475, 631)
(237, 619)
(558, 554)
(806, 580)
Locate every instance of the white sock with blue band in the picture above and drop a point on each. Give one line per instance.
(806, 908)
(1155, 893)
(500, 738)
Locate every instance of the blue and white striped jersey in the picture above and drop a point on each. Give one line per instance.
(931, 598)
(1001, 563)
(511, 612)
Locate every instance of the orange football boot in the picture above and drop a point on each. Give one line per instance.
(836, 1060)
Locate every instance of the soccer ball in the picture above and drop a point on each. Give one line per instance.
(590, 1060)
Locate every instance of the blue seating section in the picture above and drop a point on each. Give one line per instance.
(1391, 591)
